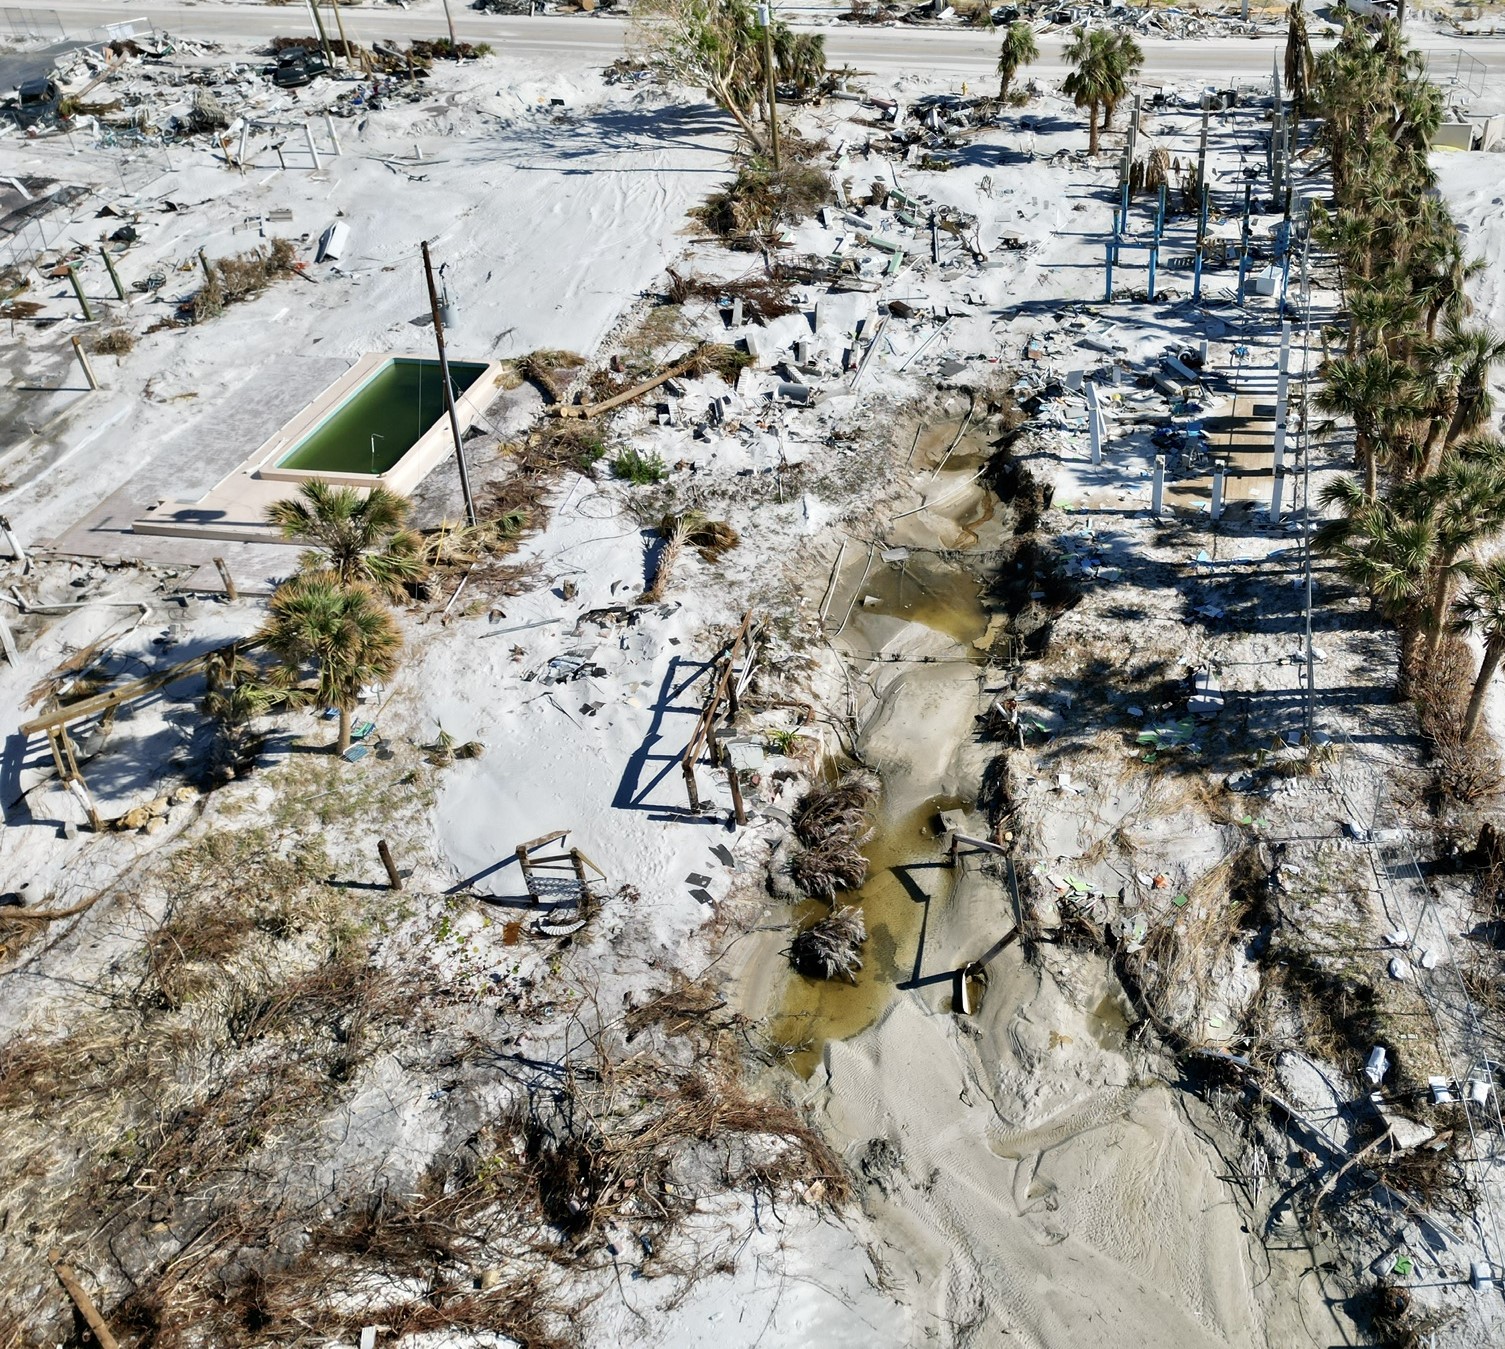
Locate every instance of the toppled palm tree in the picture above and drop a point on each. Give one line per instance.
(832, 946)
(359, 538)
(711, 538)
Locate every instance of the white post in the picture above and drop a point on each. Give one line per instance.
(1277, 483)
(1216, 510)
(1280, 446)
(333, 137)
(736, 311)
(240, 158)
(8, 642)
(12, 542)
(1285, 346)
(313, 150)
(1094, 421)
(1157, 487)
(1282, 388)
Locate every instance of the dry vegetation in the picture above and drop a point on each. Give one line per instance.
(832, 823)
(229, 280)
(182, 1138)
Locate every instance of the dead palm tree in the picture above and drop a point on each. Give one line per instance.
(343, 631)
(1019, 49)
(1482, 611)
(357, 536)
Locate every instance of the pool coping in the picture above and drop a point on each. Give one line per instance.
(235, 507)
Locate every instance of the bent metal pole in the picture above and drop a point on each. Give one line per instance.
(449, 393)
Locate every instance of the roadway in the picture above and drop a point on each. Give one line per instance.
(597, 40)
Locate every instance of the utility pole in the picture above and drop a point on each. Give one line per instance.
(344, 41)
(765, 17)
(1306, 490)
(449, 393)
(313, 11)
(454, 47)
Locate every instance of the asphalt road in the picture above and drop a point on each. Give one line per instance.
(598, 39)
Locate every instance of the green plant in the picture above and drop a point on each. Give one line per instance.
(342, 630)
(357, 536)
(641, 470)
(782, 740)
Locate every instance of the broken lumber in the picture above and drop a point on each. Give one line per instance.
(628, 395)
(82, 1300)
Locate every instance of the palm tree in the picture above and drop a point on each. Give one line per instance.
(341, 629)
(1482, 611)
(1301, 68)
(1388, 551)
(1457, 367)
(1092, 82)
(1467, 502)
(359, 537)
(1018, 49)
(1124, 61)
(1375, 392)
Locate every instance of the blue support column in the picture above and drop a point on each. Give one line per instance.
(1154, 262)
(1110, 250)
(1243, 271)
(1285, 280)
(1123, 204)
(1160, 212)
(1202, 212)
(1196, 276)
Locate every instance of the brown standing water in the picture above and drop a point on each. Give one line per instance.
(932, 588)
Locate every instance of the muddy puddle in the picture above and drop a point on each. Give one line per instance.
(919, 576)
(906, 869)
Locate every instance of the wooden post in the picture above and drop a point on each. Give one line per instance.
(8, 642)
(340, 24)
(690, 785)
(114, 275)
(731, 781)
(577, 860)
(771, 71)
(449, 393)
(527, 868)
(394, 878)
(224, 575)
(78, 291)
(83, 360)
(82, 1300)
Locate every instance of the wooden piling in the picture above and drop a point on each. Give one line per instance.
(83, 360)
(394, 877)
(114, 275)
(736, 786)
(224, 575)
(78, 291)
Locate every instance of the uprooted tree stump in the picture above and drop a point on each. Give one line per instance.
(831, 947)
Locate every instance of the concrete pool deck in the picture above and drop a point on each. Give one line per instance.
(234, 509)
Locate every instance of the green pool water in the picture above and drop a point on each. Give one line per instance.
(379, 423)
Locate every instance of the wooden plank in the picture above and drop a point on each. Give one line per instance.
(137, 688)
(606, 405)
(81, 1299)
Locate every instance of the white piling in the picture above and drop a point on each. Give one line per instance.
(1203, 353)
(1277, 485)
(1216, 509)
(1095, 432)
(313, 150)
(1282, 390)
(12, 542)
(1285, 345)
(1157, 487)
(1280, 446)
(736, 311)
(333, 135)
(240, 156)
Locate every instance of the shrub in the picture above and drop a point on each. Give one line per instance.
(641, 470)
